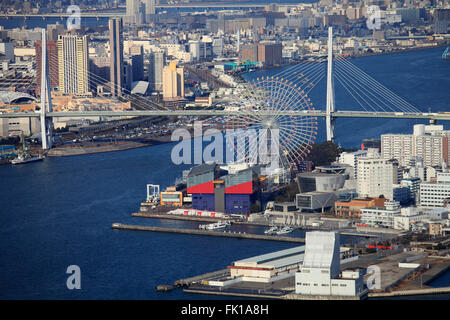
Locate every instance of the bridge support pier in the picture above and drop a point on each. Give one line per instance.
(329, 119)
(46, 104)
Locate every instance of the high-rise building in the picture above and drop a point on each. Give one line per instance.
(73, 64)
(155, 71)
(200, 49)
(248, 52)
(397, 146)
(137, 61)
(217, 47)
(376, 177)
(128, 73)
(268, 53)
(116, 47)
(132, 12)
(54, 30)
(100, 68)
(150, 7)
(52, 58)
(430, 143)
(7, 50)
(173, 81)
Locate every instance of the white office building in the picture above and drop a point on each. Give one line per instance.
(320, 273)
(381, 217)
(200, 49)
(433, 194)
(377, 177)
(351, 159)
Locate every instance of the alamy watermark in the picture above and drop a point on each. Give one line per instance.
(74, 20)
(373, 15)
(250, 146)
(74, 280)
(374, 278)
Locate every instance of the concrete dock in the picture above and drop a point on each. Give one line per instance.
(207, 276)
(207, 233)
(415, 292)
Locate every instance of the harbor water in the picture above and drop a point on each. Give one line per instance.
(58, 212)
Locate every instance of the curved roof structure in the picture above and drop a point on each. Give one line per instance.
(10, 97)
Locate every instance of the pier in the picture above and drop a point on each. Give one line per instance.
(411, 292)
(120, 226)
(200, 278)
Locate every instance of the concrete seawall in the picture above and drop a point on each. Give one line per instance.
(207, 233)
(411, 292)
(89, 149)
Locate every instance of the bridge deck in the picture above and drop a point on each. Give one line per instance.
(315, 113)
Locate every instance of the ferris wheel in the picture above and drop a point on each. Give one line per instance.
(265, 104)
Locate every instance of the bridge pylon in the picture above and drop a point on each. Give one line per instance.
(329, 119)
(46, 100)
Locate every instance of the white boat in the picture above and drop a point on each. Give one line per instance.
(25, 159)
(285, 230)
(271, 230)
(214, 226)
(24, 156)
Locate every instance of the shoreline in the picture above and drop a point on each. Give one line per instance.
(398, 51)
(350, 57)
(80, 149)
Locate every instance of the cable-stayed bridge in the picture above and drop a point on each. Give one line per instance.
(373, 99)
(222, 113)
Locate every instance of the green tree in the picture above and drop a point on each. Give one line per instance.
(324, 153)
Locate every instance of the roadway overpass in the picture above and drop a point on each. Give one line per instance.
(302, 113)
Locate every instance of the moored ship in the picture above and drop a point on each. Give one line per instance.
(26, 158)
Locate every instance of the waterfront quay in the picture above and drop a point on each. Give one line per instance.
(395, 280)
(120, 226)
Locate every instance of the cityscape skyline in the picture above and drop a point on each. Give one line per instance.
(347, 98)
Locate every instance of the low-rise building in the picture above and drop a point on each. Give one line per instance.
(352, 209)
(268, 267)
(435, 229)
(174, 198)
(315, 200)
(381, 216)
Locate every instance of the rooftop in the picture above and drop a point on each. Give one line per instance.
(9, 97)
(201, 169)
